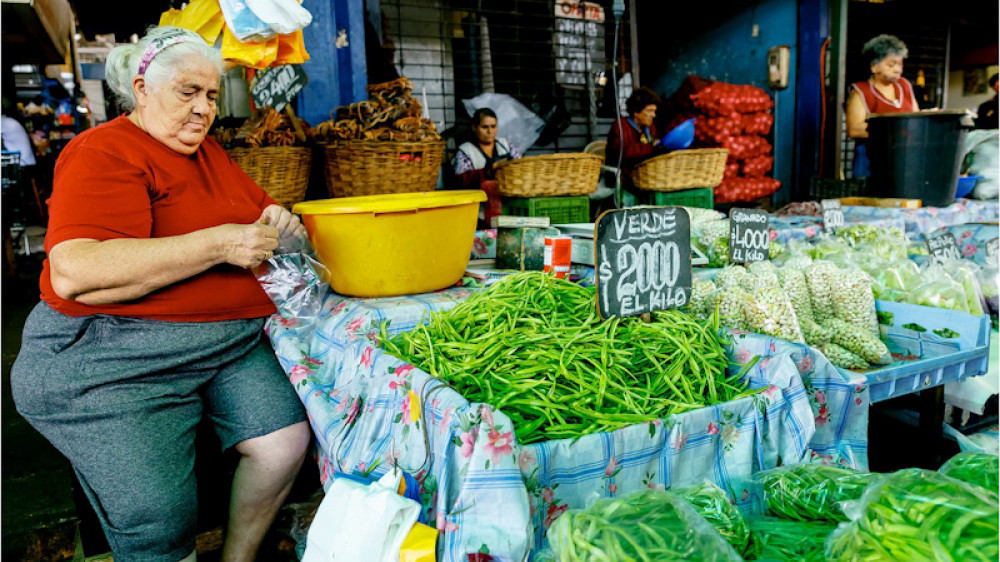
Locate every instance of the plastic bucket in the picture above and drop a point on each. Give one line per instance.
(916, 155)
(395, 244)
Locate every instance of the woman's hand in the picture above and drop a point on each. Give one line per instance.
(248, 245)
(288, 225)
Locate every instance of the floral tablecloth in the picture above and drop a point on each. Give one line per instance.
(484, 492)
(802, 227)
(929, 219)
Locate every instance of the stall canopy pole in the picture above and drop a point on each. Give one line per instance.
(634, 36)
(838, 53)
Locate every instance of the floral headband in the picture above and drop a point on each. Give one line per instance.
(159, 44)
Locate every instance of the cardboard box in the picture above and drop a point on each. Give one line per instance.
(885, 202)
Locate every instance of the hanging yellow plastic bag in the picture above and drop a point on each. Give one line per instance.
(291, 49)
(419, 544)
(253, 55)
(169, 17)
(204, 17)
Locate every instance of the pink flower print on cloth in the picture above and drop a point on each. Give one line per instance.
(526, 460)
(547, 495)
(713, 429)
(823, 416)
(612, 468)
(487, 415)
(399, 376)
(298, 374)
(468, 443)
(552, 513)
(969, 250)
(366, 357)
(499, 445)
(445, 526)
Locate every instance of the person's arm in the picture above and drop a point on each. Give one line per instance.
(124, 269)
(857, 113)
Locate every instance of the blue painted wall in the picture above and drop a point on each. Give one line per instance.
(337, 75)
(715, 40)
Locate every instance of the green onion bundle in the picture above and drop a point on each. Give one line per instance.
(712, 503)
(811, 492)
(918, 514)
(792, 541)
(534, 346)
(978, 469)
(648, 526)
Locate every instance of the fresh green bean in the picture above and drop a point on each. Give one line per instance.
(916, 514)
(811, 492)
(650, 525)
(979, 469)
(530, 341)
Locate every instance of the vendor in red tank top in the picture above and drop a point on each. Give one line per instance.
(885, 91)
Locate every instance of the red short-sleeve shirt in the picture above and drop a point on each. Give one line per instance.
(116, 181)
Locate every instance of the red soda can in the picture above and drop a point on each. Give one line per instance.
(558, 251)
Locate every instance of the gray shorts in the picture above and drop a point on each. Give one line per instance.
(122, 397)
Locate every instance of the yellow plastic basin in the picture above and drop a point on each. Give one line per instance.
(398, 244)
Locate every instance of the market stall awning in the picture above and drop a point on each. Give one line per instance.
(123, 18)
(36, 31)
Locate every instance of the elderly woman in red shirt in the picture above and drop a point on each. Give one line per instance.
(151, 318)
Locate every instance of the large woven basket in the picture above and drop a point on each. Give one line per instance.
(681, 169)
(549, 174)
(372, 168)
(282, 171)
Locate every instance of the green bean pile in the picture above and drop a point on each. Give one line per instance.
(534, 346)
(979, 469)
(918, 514)
(791, 541)
(712, 503)
(811, 492)
(648, 526)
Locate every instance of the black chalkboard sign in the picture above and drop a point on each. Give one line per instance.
(748, 235)
(277, 86)
(643, 259)
(833, 214)
(943, 246)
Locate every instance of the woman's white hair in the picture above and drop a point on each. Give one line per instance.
(123, 62)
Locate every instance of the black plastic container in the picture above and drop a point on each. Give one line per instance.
(916, 155)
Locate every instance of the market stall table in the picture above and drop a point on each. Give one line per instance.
(370, 410)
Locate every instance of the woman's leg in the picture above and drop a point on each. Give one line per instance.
(255, 410)
(263, 478)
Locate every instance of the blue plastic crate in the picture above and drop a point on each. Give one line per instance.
(943, 360)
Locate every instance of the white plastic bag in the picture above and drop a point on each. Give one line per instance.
(515, 122)
(359, 522)
(283, 16)
(243, 23)
(985, 162)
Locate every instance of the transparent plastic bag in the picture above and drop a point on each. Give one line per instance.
(859, 341)
(841, 357)
(811, 492)
(282, 16)
(701, 289)
(647, 525)
(714, 504)
(916, 514)
(793, 281)
(988, 283)
(978, 469)
(296, 284)
(939, 292)
(731, 276)
(768, 311)
(853, 300)
(781, 539)
(820, 278)
(243, 23)
(729, 301)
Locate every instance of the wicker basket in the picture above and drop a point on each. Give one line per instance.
(372, 168)
(682, 169)
(282, 171)
(549, 174)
